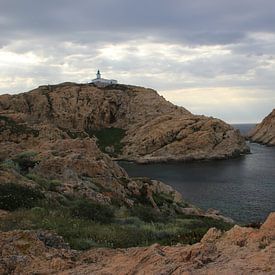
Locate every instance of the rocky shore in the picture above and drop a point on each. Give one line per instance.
(264, 132)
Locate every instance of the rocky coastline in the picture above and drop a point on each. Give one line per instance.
(67, 207)
(264, 132)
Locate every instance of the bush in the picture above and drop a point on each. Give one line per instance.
(9, 164)
(26, 160)
(92, 211)
(49, 185)
(108, 137)
(146, 214)
(162, 199)
(83, 233)
(14, 196)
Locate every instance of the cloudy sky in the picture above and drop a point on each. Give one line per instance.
(214, 57)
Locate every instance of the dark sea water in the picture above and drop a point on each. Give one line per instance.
(242, 188)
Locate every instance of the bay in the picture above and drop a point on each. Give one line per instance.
(241, 188)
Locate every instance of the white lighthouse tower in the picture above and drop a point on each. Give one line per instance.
(98, 75)
(102, 81)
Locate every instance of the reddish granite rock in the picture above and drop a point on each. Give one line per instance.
(238, 251)
(265, 131)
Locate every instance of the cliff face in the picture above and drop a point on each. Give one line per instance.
(237, 251)
(265, 131)
(155, 130)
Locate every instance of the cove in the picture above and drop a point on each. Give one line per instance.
(241, 188)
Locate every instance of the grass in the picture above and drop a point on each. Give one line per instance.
(124, 230)
(109, 137)
(85, 224)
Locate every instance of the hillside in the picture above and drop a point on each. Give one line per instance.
(55, 175)
(238, 251)
(131, 123)
(61, 191)
(264, 132)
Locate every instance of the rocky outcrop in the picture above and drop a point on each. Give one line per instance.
(155, 129)
(240, 250)
(183, 138)
(77, 168)
(265, 131)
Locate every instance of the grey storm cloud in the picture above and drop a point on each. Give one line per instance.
(168, 45)
(207, 21)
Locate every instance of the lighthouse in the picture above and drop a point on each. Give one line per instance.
(101, 81)
(98, 75)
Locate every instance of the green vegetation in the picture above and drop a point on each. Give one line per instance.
(85, 224)
(7, 123)
(25, 161)
(147, 214)
(92, 211)
(14, 196)
(83, 233)
(162, 198)
(9, 164)
(46, 184)
(109, 137)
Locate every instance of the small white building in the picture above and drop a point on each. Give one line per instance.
(102, 81)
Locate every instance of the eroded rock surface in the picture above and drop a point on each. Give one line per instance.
(83, 171)
(265, 131)
(240, 250)
(155, 129)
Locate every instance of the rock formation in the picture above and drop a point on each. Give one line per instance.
(81, 170)
(265, 131)
(152, 128)
(53, 145)
(240, 250)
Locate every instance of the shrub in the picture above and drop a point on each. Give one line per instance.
(14, 196)
(26, 160)
(92, 211)
(162, 199)
(9, 164)
(49, 185)
(146, 214)
(108, 137)
(82, 233)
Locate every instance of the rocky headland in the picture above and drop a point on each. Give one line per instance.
(264, 132)
(58, 178)
(131, 123)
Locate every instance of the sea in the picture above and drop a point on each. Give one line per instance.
(242, 188)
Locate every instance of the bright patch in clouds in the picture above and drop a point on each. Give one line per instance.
(14, 59)
(239, 103)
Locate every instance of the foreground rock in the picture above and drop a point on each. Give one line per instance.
(151, 129)
(238, 251)
(265, 131)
